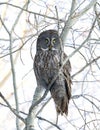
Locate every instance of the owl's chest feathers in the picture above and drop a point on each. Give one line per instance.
(49, 60)
(48, 64)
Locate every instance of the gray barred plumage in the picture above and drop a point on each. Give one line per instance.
(46, 66)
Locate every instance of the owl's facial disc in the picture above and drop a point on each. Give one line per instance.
(49, 44)
(52, 44)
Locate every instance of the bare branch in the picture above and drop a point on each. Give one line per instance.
(94, 60)
(40, 118)
(73, 18)
(90, 102)
(13, 111)
(31, 12)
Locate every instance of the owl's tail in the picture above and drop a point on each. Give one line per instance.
(61, 99)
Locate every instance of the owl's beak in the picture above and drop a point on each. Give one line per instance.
(50, 47)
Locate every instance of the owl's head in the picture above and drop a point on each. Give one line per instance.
(48, 40)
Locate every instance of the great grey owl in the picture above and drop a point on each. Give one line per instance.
(46, 66)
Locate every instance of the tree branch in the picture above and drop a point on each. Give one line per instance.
(31, 12)
(49, 122)
(13, 111)
(94, 60)
(73, 18)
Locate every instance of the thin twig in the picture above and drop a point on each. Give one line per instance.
(31, 12)
(80, 114)
(49, 122)
(85, 66)
(58, 24)
(9, 106)
(73, 17)
(13, 67)
(91, 102)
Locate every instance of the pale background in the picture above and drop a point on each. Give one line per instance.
(84, 113)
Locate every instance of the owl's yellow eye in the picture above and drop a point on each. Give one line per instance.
(46, 40)
(53, 40)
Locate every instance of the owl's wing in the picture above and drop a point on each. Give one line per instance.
(67, 76)
(61, 90)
